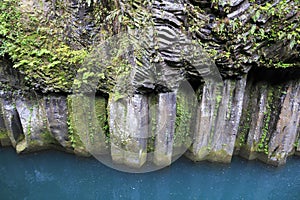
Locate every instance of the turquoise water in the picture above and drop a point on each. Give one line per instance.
(57, 175)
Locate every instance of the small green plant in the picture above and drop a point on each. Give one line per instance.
(73, 141)
(182, 122)
(264, 140)
(70, 125)
(3, 134)
(242, 140)
(151, 144)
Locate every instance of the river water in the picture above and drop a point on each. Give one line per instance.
(57, 175)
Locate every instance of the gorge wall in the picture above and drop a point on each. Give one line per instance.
(252, 112)
(255, 116)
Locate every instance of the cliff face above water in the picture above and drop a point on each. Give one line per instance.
(251, 111)
(256, 116)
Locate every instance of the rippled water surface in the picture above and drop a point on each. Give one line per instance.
(57, 175)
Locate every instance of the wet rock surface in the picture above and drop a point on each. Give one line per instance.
(129, 130)
(57, 115)
(255, 116)
(12, 123)
(217, 121)
(270, 119)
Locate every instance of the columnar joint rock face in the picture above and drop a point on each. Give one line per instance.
(282, 142)
(217, 121)
(270, 121)
(260, 120)
(11, 119)
(34, 123)
(250, 116)
(153, 128)
(129, 130)
(166, 116)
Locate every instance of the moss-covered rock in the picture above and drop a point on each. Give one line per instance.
(57, 117)
(128, 122)
(48, 40)
(44, 44)
(270, 120)
(217, 120)
(11, 120)
(4, 139)
(35, 125)
(86, 124)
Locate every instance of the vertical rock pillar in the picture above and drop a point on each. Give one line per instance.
(284, 136)
(85, 126)
(11, 121)
(128, 120)
(165, 127)
(270, 121)
(217, 121)
(4, 138)
(35, 125)
(57, 115)
(186, 102)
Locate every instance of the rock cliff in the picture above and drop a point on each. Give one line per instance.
(256, 116)
(140, 111)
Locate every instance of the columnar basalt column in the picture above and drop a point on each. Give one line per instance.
(128, 122)
(165, 127)
(270, 121)
(217, 121)
(11, 121)
(34, 123)
(283, 137)
(57, 115)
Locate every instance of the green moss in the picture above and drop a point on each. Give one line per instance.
(262, 145)
(184, 107)
(272, 108)
(220, 156)
(276, 30)
(182, 128)
(73, 136)
(101, 112)
(47, 138)
(244, 126)
(43, 57)
(33, 144)
(49, 62)
(151, 144)
(3, 134)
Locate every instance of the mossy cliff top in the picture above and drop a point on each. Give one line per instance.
(48, 40)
